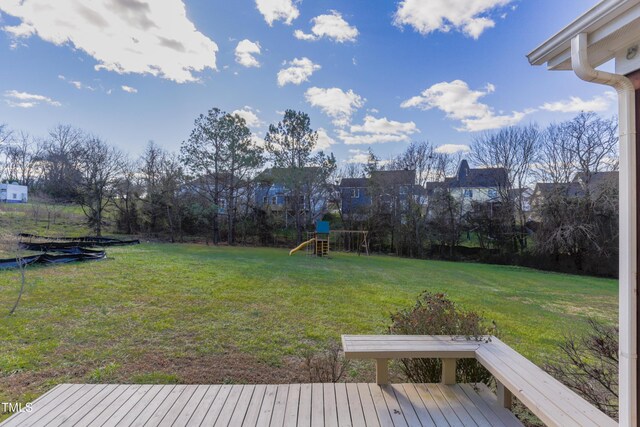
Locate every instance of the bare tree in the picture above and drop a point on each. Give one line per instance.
(152, 165)
(594, 143)
(421, 157)
(583, 146)
(61, 158)
(516, 149)
(22, 157)
(5, 140)
(127, 192)
(99, 167)
(558, 158)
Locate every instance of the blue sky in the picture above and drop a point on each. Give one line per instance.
(369, 73)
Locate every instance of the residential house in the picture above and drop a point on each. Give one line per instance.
(273, 192)
(581, 185)
(355, 198)
(483, 185)
(390, 190)
(14, 193)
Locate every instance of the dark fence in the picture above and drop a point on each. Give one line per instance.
(586, 264)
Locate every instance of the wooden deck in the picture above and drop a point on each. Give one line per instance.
(266, 405)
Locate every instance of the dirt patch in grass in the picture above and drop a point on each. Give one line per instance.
(232, 367)
(228, 368)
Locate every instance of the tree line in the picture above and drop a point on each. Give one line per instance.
(208, 189)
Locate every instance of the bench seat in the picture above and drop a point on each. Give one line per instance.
(550, 400)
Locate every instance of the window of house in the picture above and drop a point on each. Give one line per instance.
(493, 193)
(355, 193)
(468, 193)
(264, 200)
(274, 200)
(15, 196)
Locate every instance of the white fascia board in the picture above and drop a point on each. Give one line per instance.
(602, 22)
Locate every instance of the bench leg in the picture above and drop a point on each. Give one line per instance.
(505, 398)
(448, 371)
(382, 371)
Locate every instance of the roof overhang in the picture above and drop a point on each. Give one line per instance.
(613, 26)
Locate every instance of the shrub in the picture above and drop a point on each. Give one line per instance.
(434, 314)
(327, 366)
(589, 365)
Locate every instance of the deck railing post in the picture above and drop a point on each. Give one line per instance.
(505, 398)
(382, 371)
(449, 371)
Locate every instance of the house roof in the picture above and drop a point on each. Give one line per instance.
(354, 182)
(396, 177)
(273, 175)
(471, 178)
(489, 177)
(598, 182)
(478, 177)
(599, 178)
(612, 26)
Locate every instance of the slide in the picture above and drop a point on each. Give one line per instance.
(302, 245)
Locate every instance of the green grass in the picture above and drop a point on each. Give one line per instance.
(149, 312)
(41, 217)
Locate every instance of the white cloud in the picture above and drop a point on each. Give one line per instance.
(384, 126)
(576, 105)
(335, 103)
(459, 102)
(324, 140)
(358, 156)
(245, 51)
(299, 71)
(452, 148)
(277, 10)
(368, 139)
(13, 98)
(125, 36)
(76, 83)
(332, 26)
(129, 89)
(362, 157)
(249, 115)
(377, 131)
(470, 17)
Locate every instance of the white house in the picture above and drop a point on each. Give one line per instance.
(13, 193)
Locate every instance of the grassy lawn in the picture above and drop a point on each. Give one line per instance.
(41, 217)
(191, 313)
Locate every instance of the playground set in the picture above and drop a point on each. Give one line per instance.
(318, 241)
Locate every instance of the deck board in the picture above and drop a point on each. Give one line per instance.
(284, 405)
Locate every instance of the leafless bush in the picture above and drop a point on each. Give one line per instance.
(328, 366)
(589, 366)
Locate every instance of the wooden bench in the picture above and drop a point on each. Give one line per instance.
(551, 401)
